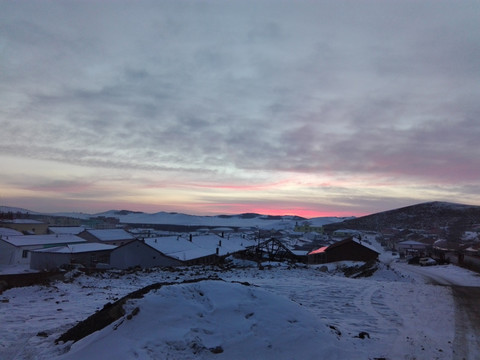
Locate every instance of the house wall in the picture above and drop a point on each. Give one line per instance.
(350, 251)
(14, 255)
(319, 258)
(7, 253)
(51, 261)
(206, 260)
(35, 228)
(92, 258)
(405, 247)
(87, 236)
(137, 253)
(48, 261)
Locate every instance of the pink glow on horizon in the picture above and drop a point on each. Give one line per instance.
(238, 208)
(200, 209)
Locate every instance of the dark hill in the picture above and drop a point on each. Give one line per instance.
(452, 218)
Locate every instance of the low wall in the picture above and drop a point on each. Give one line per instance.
(28, 279)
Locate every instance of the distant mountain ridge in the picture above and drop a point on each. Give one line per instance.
(453, 218)
(172, 218)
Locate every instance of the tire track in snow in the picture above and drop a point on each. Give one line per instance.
(371, 301)
(466, 344)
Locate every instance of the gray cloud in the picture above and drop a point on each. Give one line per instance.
(313, 87)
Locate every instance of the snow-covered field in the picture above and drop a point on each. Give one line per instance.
(285, 313)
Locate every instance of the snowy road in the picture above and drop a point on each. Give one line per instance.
(466, 344)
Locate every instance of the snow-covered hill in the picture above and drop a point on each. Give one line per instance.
(15, 210)
(247, 220)
(212, 320)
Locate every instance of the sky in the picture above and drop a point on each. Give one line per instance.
(313, 108)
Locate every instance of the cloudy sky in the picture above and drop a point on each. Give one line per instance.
(313, 108)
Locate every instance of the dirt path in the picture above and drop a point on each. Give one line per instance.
(466, 344)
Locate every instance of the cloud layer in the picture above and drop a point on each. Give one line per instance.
(311, 105)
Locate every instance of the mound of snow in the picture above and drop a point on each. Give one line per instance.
(212, 320)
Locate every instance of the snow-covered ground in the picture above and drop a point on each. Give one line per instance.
(286, 313)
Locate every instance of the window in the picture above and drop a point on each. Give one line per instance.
(24, 254)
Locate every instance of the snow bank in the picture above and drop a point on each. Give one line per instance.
(212, 319)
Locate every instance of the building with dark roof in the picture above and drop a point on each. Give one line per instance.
(350, 249)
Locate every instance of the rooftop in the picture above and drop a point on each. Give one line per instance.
(77, 248)
(28, 240)
(111, 234)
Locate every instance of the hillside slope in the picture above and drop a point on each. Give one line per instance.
(453, 218)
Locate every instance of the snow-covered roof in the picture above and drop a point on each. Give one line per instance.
(411, 242)
(346, 231)
(200, 246)
(299, 252)
(225, 229)
(75, 230)
(28, 240)
(191, 254)
(9, 232)
(365, 244)
(326, 248)
(111, 234)
(77, 248)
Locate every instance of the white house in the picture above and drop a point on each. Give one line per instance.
(411, 246)
(26, 226)
(86, 254)
(138, 253)
(16, 249)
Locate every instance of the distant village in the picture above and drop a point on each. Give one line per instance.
(48, 243)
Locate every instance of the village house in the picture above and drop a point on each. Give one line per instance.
(342, 233)
(185, 250)
(90, 255)
(411, 247)
(16, 249)
(6, 232)
(138, 253)
(307, 226)
(26, 226)
(200, 249)
(350, 249)
(115, 237)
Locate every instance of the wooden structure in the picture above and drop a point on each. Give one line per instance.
(273, 250)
